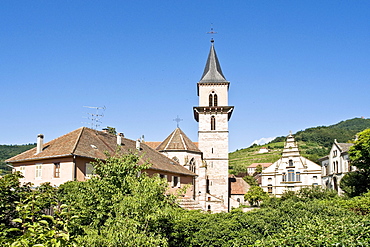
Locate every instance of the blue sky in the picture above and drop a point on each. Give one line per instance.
(291, 64)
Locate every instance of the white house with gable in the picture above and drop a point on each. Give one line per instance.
(336, 165)
(290, 172)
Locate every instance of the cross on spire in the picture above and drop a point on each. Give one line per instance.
(178, 120)
(212, 32)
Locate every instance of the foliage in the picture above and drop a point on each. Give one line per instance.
(309, 193)
(324, 135)
(111, 130)
(355, 183)
(250, 180)
(255, 195)
(359, 153)
(120, 206)
(23, 221)
(315, 222)
(358, 182)
(258, 169)
(8, 151)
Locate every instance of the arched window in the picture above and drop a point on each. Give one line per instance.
(192, 165)
(213, 123)
(210, 100)
(213, 99)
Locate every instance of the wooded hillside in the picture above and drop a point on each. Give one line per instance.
(313, 143)
(8, 151)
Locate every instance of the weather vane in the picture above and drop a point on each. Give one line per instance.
(212, 32)
(178, 120)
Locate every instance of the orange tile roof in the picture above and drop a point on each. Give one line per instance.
(264, 165)
(238, 186)
(86, 142)
(178, 141)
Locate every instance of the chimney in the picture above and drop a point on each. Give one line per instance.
(138, 144)
(40, 143)
(119, 138)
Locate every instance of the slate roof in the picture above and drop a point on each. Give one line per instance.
(212, 71)
(344, 147)
(178, 141)
(89, 143)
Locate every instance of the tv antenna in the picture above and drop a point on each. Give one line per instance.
(95, 117)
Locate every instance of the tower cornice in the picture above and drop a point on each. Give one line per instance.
(212, 110)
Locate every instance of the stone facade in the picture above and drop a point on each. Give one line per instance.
(213, 114)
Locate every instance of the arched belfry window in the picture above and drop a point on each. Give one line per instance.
(213, 100)
(213, 123)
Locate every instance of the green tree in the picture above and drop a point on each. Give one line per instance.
(358, 182)
(255, 195)
(111, 130)
(120, 206)
(250, 180)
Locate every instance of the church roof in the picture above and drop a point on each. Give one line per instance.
(93, 144)
(178, 141)
(212, 71)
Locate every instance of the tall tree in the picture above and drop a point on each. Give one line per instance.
(358, 182)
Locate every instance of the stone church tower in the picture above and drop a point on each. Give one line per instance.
(213, 114)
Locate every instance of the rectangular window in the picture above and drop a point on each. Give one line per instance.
(298, 176)
(269, 188)
(290, 162)
(38, 170)
(56, 170)
(22, 169)
(89, 170)
(176, 182)
(290, 175)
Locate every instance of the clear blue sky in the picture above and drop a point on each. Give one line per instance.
(291, 64)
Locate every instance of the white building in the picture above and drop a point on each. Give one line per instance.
(336, 165)
(290, 172)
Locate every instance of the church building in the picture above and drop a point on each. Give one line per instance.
(209, 158)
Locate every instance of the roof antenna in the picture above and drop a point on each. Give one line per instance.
(95, 117)
(178, 120)
(212, 33)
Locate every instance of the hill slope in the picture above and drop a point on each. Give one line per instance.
(313, 144)
(7, 151)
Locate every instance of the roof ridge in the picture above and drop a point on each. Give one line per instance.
(77, 140)
(183, 141)
(170, 140)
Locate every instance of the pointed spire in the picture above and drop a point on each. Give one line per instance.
(212, 71)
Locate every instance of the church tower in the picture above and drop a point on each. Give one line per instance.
(213, 114)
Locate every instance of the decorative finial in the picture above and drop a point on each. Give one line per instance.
(212, 32)
(178, 120)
